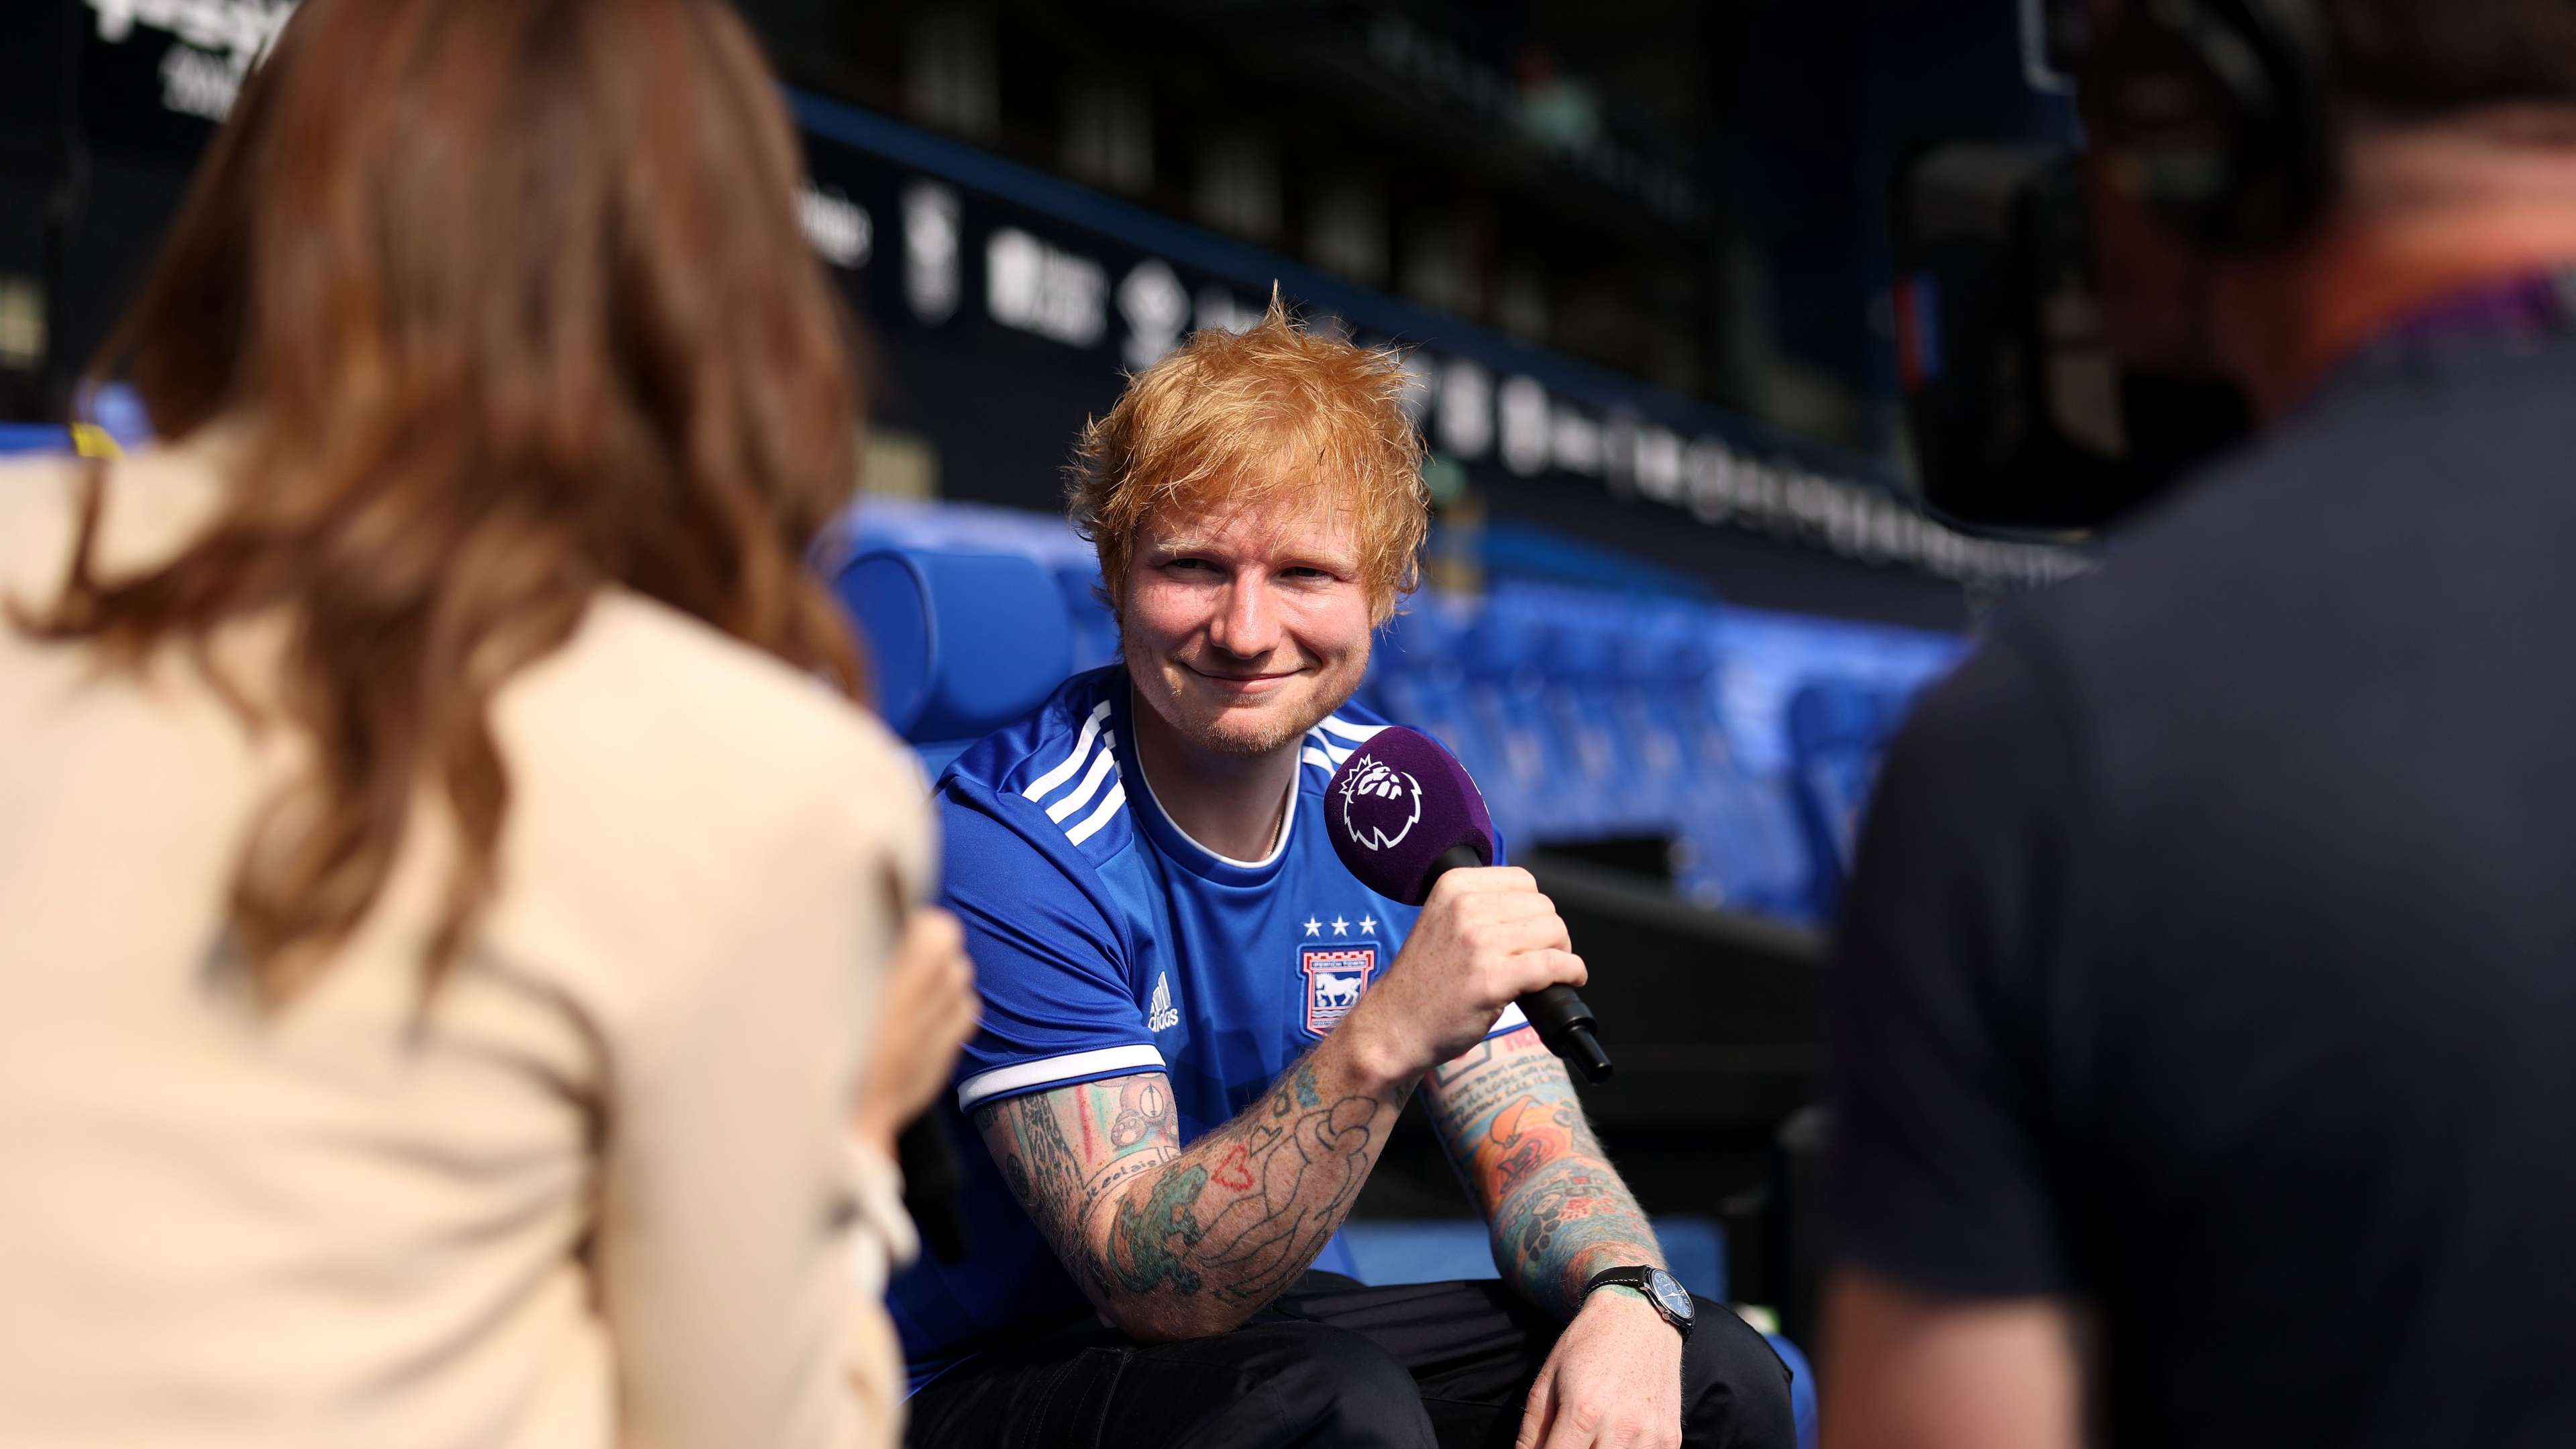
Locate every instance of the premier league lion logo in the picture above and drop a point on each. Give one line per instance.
(1380, 804)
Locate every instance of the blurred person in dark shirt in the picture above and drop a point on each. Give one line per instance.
(2205, 1014)
(446, 875)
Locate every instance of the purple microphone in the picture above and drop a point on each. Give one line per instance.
(1402, 812)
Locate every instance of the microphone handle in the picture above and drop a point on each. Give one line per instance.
(1564, 1023)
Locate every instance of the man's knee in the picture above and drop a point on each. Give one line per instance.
(1349, 1384)
(1736, 1389)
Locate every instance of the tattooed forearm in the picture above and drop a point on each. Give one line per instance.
(1292, 1171)
(1515, 1131)
(1174, 1243)
(1127, 1124)
(1147, 1234)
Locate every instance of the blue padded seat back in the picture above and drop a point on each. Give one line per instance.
(1095, 629)
(960, 644)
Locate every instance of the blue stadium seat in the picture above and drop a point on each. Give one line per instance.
(1095, 629)
(1435, 1250)
(1837, 729)
(1574, 646)
(959, 643)
(1526, 775)
(1418, 678)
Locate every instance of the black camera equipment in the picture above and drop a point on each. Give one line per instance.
(2213, 115)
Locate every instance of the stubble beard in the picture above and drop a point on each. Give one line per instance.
(1170, 699)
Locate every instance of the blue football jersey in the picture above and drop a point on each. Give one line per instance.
(1106, 943)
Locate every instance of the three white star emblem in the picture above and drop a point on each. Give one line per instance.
(1341, 927)
(1314, 927)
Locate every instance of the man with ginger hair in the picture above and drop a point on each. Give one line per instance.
(1199, 1029)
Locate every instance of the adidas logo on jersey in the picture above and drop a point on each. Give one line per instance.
(1159, 1014)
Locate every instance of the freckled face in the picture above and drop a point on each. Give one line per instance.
(1242, 631)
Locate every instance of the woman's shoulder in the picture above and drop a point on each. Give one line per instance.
(672, 714)
(152, 501)
(675, 795)
(39, 515)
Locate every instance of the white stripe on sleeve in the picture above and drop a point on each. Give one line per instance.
(1038, 787)
(1091, 823)
(1101, 766)
(1021, 1076)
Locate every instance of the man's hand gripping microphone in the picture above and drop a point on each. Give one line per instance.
(1402, 813)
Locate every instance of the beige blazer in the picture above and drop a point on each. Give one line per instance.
(600, 1194)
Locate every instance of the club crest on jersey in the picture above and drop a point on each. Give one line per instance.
(1380, 803)
(1336, 975)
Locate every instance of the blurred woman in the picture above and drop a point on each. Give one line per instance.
(444, 878)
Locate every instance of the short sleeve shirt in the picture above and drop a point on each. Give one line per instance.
(2211, 953)
(1108, 943)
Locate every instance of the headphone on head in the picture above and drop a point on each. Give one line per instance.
(2214, 115)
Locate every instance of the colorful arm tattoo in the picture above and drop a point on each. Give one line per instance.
(1515, 1131)
(1178, 1243)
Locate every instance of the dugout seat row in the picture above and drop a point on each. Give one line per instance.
(1588, 716)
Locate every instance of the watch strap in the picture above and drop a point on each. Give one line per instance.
(1633, 1277)
(1641, 1278)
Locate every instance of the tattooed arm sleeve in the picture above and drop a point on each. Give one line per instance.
(1182, 1244)
(1515, 1131)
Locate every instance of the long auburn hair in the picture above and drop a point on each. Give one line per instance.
(510, 301)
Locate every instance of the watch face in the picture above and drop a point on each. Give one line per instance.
(1669, 1294)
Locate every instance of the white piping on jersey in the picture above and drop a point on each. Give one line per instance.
(1317, 758)
(1038, 788)
(1101, 765)
(1349, 731)
(1021, 1075)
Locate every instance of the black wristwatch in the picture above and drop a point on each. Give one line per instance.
(1664, 1291)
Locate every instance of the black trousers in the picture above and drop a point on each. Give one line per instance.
(1330, 1363)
